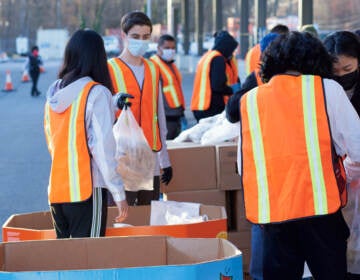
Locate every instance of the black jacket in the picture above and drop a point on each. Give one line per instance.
(233, 105)
(225, 44)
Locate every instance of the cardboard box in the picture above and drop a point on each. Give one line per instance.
(238, 214)
(152, 257)
(194, 167)
(228, 177)
(38, 225)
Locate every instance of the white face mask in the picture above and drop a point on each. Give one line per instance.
(137, 47)
(168, 54)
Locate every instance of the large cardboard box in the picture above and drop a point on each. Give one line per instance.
(38, 225)
(228, 177)
(194, 167)
(152, 257)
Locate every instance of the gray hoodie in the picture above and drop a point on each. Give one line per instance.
(100, 117)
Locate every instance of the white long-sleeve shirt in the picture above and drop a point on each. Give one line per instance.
(345, 128)
(100, 139)
(162, 157)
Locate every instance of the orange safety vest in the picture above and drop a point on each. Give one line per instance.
(287, 166)
(252, 59)
(171, 83)
(232, 74)
(144, 105)
(201, 96)
(70, 175)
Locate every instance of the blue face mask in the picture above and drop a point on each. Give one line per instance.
(137, 47)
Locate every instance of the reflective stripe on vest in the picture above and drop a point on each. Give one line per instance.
(70, 177)
(145, 102)
(201, 96)
(171, 83)
(289, 175)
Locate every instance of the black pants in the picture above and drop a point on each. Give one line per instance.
(81, 219)
(320, 241)
(34, 78)
(144, 197)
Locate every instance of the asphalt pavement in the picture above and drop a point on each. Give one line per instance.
(24, 158)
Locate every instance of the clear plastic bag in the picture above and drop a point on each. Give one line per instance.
(136, 161)
(351, 214)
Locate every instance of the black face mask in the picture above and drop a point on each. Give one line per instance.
(348, 81)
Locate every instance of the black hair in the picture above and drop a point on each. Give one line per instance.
(165, 37)
(134, 18)
(280, 29)
(343, 43)
(296, 51)
(85, 56)
(34, 48)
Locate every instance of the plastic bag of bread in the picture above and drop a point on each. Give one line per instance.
(136, 161)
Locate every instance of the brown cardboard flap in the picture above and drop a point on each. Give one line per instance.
(192, 251)
(126, 252)
(194, 167)
(213, 212)
(36, 220)
(228, 177)
(111, 252)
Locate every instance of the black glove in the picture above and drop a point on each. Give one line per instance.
(167, 175)
(122, 101)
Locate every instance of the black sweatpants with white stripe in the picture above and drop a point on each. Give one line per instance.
(81, 219)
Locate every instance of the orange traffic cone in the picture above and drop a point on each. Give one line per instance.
(42, 69)
(25, 77)
(8, 83)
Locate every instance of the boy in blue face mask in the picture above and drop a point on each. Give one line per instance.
(170, 78)
(139, 78)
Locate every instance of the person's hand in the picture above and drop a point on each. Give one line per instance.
(123, 208)
(122, 101)
(236, 87)
(167, 175)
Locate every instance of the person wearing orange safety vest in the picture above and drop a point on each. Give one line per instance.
(292, 130)
(252, 57)
(232, 112)
(138, 78)
(170, 77)
(216, 78)
(78, 123)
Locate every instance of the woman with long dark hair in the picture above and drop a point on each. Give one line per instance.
(344, 46)
(78, 126)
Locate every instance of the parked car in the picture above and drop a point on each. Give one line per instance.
(112, 46)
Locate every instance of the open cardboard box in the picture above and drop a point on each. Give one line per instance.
(147, 257)
(38, 225)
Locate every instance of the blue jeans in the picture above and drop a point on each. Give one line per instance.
(256, 261)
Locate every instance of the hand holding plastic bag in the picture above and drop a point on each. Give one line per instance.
(136, 161)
